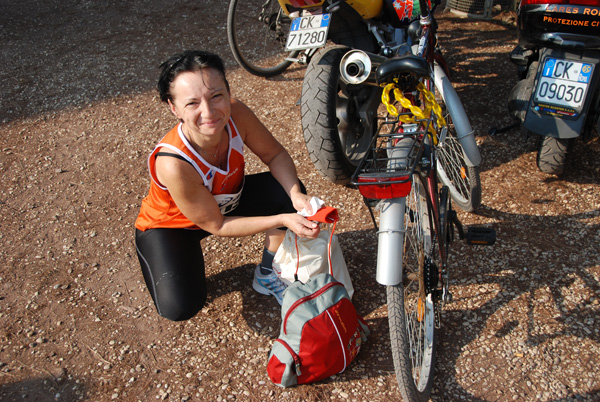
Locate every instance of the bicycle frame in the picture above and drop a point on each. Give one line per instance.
(444, 86)
(392, 188)
(434, 196)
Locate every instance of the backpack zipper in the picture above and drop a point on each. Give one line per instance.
(306, 298)
(296, 358)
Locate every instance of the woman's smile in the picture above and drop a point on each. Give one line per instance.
(210, 123)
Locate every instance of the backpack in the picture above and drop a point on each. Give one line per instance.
(321, 333)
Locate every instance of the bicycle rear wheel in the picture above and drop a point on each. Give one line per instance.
(257, 31)
(411, 306)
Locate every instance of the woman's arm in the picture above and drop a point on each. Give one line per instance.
(197, 203)
(262, 143)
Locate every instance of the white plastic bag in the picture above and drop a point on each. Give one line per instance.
(313, 259)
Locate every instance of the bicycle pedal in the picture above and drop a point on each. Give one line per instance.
(448, 298)
(480, 236)
(442, 296)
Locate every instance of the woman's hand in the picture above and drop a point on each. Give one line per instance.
(302, 201)
(301, 226)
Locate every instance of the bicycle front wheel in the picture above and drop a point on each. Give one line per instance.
(257, 31)
(462, 180)
(411, 306)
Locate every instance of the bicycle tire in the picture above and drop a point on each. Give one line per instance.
(412, 334)
(257, 32)
(463, 181)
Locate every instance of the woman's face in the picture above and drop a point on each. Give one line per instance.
(201, 101)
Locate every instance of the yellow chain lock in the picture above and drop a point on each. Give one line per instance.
(430, 104)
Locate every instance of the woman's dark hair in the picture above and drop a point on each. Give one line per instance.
(189, 60)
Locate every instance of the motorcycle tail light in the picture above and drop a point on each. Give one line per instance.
(593, 3)
(380, 188)
(305, 3)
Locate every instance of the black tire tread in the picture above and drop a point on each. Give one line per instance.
(552, 154)
(399, 335)
(318, 115)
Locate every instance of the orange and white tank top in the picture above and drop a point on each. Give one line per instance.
(158, 208)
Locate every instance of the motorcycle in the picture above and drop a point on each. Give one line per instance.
(340, 98)
(557, 94)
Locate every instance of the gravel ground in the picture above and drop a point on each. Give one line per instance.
(79, 115)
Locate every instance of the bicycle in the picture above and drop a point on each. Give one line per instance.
(257, 32)
(459, 158)
(405, 176)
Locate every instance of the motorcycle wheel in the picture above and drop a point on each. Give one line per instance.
(411, 308)
(337, 126)
(462, 180)
(257, 31)
(552, 154)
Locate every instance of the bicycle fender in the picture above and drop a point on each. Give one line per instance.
(464, 131)
(390, 241)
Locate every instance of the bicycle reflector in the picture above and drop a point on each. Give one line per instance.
(380, 188)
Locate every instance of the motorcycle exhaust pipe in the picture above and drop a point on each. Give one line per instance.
(358, 67)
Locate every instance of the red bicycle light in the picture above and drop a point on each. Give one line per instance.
(381, 188)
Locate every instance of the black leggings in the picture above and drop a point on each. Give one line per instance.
(172, 260)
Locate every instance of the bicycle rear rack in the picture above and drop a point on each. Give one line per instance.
(394, 154)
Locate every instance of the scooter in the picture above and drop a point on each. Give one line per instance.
(557, 59)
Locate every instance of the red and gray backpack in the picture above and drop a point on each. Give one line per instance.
(321, 333)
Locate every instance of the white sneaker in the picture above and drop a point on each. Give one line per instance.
(268, 284)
